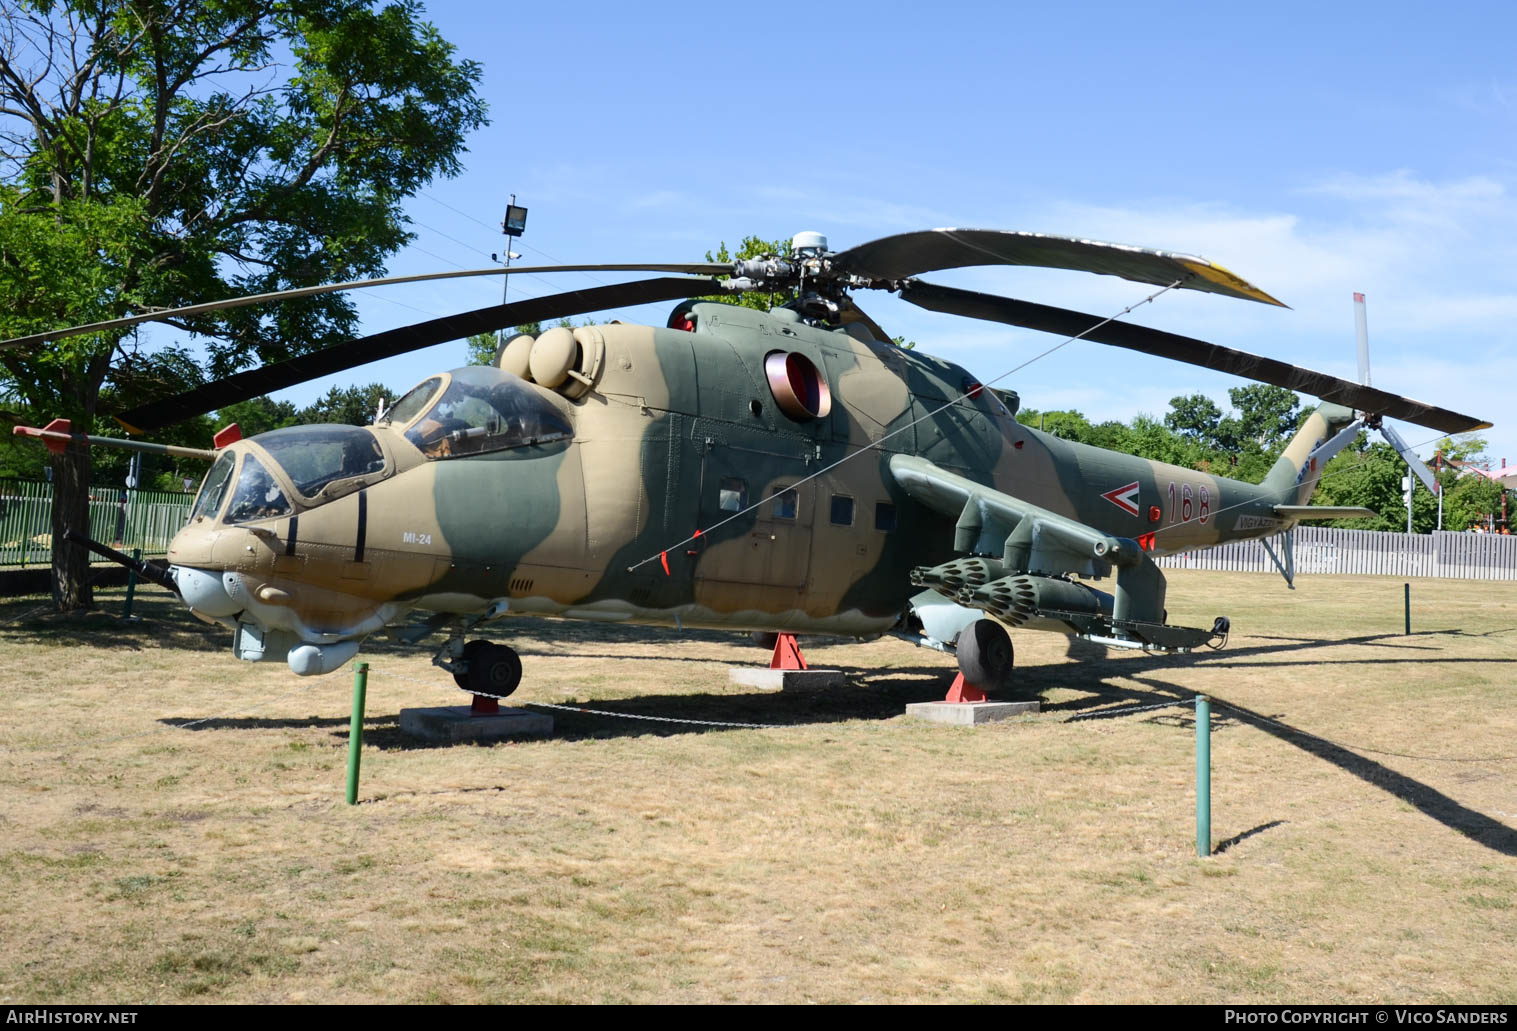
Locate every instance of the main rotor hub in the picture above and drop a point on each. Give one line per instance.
(809, 244)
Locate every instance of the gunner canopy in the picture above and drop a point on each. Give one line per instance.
(481, 409)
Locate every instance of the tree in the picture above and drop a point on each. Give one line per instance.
(1267, 414)
(353, 406)
(1195, 416)
(157, 154)
(258, 415)
(482, 348)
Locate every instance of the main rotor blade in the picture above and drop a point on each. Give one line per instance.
(909, 254)
(269, 378)
(698, 269)
(1064, 322)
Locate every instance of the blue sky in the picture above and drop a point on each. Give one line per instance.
(1315, 149)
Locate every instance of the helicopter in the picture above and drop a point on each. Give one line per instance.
(784, 471)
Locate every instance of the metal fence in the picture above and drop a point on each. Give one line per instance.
(125, 519)
(1321, 549)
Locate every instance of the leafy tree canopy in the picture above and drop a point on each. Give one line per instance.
(155, 154)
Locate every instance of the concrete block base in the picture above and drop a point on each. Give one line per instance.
(785, 679)
(453, 723)
(968, 713)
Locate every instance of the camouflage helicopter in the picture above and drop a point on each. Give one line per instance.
(787, 471)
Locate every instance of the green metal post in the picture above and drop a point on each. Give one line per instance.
(131, 585)
(1406, 595)
(355, 728)
(1203, 776)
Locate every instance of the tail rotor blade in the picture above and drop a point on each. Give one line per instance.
(1410, 457)
(1362, 331)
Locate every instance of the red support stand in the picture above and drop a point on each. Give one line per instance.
(483, 706)
(787, 654)
(963, 691)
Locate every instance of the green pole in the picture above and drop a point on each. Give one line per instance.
(131, 584)
(1203, 776)
(355, 728)
(1406, 595)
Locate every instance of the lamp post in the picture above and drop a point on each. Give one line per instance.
(514, 224)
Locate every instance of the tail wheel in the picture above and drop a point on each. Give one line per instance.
(985, 654)
(491, 669)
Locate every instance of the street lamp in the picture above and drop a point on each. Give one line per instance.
(514, 224)
(516, 219)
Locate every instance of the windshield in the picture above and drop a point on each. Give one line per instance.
(214, 487)
(257, 495)
(314, 456)
(485, 409)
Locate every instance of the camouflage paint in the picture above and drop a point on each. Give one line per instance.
(584, 527)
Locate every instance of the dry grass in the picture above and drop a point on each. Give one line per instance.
(845, 855)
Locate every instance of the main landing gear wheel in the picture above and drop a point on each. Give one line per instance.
(985, 654)
(492, 669)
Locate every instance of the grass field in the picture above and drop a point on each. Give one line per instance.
(172, 826)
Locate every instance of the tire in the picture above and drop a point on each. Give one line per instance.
(493, 669)
(985, 654)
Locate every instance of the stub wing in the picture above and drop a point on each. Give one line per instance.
(1029, 537)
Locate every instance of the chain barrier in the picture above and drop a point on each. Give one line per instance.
(1113, 713)
(582, 709)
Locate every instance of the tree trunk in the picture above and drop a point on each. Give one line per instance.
(71, 511)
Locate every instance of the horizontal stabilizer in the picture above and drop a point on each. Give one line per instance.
(1325, 512)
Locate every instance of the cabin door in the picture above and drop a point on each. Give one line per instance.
(769, 545)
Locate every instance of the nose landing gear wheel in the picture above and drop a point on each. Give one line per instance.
(985, 654)
(492, 669)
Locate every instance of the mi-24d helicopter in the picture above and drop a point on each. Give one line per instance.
(789, 471)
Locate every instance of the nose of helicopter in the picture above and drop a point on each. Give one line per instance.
(205, 591)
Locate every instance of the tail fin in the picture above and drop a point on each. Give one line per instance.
(1295, 474)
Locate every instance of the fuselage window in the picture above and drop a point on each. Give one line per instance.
(884, 516)
(786, 502)
(733, 495)
(842, 510)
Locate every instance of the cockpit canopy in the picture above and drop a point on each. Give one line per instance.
(474, 410)
(318, 459)
(315, 456)
(464, 412)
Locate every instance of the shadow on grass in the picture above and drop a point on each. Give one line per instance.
(1476, 826)
(869, 694)
(1223, 846)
